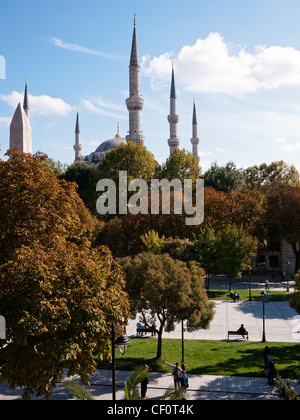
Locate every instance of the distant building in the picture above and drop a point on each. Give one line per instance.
(20, 127)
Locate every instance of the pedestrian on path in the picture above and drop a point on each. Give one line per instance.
(184, 380)
(267, 285)
(144, 384)
(177, 371)
(269, 366)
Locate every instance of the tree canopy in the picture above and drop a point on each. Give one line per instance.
(167, 290)
(58, 294)
(224, 178)
(181, 165)
(133, 158)
(272, 177)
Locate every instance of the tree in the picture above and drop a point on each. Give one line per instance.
(152, 242)
(133, 158)
(295, 297)
(228, 251)
(36, 206)
(273, 177)
(181, 165)
(248, 209)
(235, 251)
(58, 294)
(86, 178)
(224, 178)
(206, 251)
(283, 218)
(167, 290)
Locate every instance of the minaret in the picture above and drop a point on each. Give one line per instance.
(195, 140)
(173, 118)
(20, 128)
(77, 146)
(26, 101)
(135, 102)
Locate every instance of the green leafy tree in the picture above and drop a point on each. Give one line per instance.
(295, 297)
(153, 242)
(272, 177)
(86, 177)
(133, 158)
(228, 251)
(224, 178)
(235, 251)
(167, 290)
(181, 165)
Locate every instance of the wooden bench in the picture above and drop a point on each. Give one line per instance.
(245, 334)
(228, 297)
(141, 331)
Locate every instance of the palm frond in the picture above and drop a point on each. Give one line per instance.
(175, 394)
(78, 391)
(131, 385)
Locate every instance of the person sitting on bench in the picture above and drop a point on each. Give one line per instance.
(140, 326)
(234, 296)
(242, 330)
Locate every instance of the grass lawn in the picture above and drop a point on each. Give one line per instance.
(275, 296)
(229, 358)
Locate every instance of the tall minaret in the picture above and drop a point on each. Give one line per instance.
(26, 101)
(77, 146)
(173, 118)
(20, 127)
(135, 102)
(195, 140)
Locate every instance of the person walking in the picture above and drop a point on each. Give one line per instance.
(144, 385)
(177, 371)
(267, 285)
(269, 366)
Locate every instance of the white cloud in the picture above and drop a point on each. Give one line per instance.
(5, 122)
(39, 105)
(78, 48)
(286, 147)
(96, 107)
(209, 66)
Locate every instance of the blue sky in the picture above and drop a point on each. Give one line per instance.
(240, 59)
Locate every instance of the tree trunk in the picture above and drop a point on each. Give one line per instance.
(297, 255)
(159, 344)
(230, 283)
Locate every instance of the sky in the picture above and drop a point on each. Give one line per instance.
(240, 60)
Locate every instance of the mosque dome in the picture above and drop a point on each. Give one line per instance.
(110, 144)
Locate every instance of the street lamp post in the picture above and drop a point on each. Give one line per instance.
(288, 276)
(264, 319)
(122, 343)
(182, 345)
(250, 296)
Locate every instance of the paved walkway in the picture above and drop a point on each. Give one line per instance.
(202, 387)
(282, 322)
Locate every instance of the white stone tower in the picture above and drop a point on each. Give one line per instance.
(77, 146)
(135, 102)
(195, 140)
(173, 118)
(20, 128)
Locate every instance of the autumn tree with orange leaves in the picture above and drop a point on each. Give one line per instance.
(58, 294)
